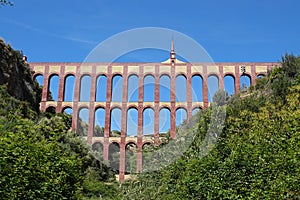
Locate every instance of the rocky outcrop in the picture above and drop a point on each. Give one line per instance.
(15, 72)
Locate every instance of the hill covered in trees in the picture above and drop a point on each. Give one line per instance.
(253, 154)
(40, 157)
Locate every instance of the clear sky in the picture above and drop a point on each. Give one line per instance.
(231, 30)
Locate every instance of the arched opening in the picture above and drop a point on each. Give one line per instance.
(99, 122)
(149, 88)
(40, 79)
(133, 88)
(97, 147)
(195, 110)
(132, 122)
(148, 121)
(146, 155)
(53, 88)
(115, 122)
(164, 88)
(85, 88)
(114, 156)
(101, 88)
(68, 111)
(164, 120)
(197, 88)
(213, 86)
(180, 88)
(260, 76)
(117, 84)
(83, 122)
(69, 88)
(130, 160)
(181, 116)
(245, 82)
(229, 84)
(51, 109)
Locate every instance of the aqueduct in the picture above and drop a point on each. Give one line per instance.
(92, 93)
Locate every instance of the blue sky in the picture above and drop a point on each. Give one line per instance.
(231, 31)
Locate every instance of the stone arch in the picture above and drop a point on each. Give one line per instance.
(212, 85)
(149, 86)
(114, 156)
(51, 109)
(83, 121)
(133, 88)
(180, 88)
(146, 156)
(197, 85)
(245, 81)
(117, 88)
(132, 122)
(101, 85)
(130, 158)
(260, 76)
(54, 80)
(85, 88)
(181, 115)
(67, 110)
(229, 84)
(148, 121)
(69, 87)
(115, 122)
(98, 146)
(164, 120)
(164, 88)
(99, 122)
(39, 78)
(196, 110)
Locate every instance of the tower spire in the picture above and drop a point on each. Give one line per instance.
(172, 53)
(172, 48)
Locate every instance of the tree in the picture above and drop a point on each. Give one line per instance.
(5, 2)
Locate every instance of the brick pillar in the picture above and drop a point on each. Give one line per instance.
(107, 113)
(237, 79)
(139, 159)
(122, 162)
(156, 106)
(221, 78)
(140, 102)
(76, 98)
(205, 88)
(269, 68)
(189, 92)
(173, 104)
(253, 75)
(92, 105)
(123, 123)
(61, 89)
(45, 89)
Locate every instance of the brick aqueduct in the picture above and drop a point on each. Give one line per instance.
(172, 68)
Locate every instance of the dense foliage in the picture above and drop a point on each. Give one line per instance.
(41, 158)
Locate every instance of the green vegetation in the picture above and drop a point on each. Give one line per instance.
(254, 154)
(5, 2)
(41, 158)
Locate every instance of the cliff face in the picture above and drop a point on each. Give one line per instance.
(17, 75)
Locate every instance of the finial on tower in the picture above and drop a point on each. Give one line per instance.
(172, 48)
(172, 53)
